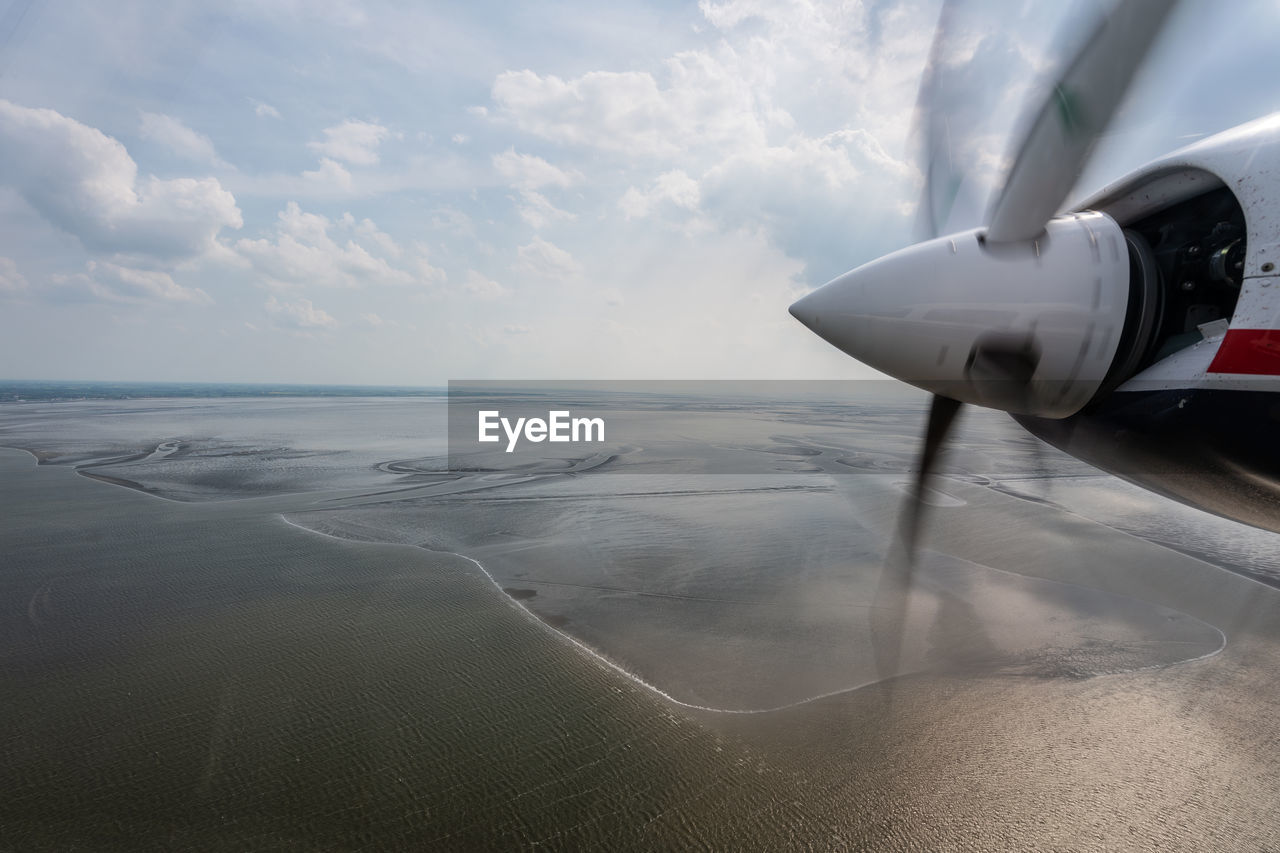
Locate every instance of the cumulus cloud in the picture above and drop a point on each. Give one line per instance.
(485, 289)
(732, 289)
(740, 134)
(146, 285)
(85, 183)
(12, 282)
(103, 281)
(353, 141)
(178, 138)
(299, 314)
(302, 251)
(546, 260)
(330, 174)
(869, 57)
(977, 76)
(675, 187)
(262, 110)
(538, 211)
(837, 163)
(816, 197)
(527, 172)
(698, 102)
(421, 265)
(76, 287)
(366, 231)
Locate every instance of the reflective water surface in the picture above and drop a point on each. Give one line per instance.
(282, 624)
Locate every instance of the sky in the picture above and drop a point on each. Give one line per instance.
(407, 193)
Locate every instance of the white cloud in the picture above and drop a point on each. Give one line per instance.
(483, 288)
(869, 56)
(11, 281)
(789, 120)
(422, 266)
(832, 163)
(262, 110)
(732, 290)
(354, 142)
(454, 222)
(812, 195)
(298, 314)
(527, 172)
(178, 138)
(675, 187)
(107, 282)
(546, 260)
(830, 65)
(537, 210)
(369, 233)
(77, 287)
(302, 251)
(144, 285)
(701, 102)
(744, 143)
(85, 183)
(330, 174)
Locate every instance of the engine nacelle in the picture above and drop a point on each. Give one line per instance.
(1030, 327)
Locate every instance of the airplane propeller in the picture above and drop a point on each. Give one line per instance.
(1047, 288)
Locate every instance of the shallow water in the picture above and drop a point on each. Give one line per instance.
(750, 594)
(195, 676)
(206, 674)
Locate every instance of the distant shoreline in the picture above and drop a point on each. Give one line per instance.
(57, 391)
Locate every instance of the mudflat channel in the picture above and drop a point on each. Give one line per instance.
(297, 642)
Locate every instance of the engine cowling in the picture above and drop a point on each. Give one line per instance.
(1029, 327)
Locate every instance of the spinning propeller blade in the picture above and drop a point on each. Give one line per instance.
(912, 314)
(1072, 117)
(889, 610)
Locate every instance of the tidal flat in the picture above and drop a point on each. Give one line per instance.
(288, 624)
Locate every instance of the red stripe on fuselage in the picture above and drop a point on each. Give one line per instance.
(1251, 351)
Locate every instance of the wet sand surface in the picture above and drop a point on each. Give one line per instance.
(565, 655)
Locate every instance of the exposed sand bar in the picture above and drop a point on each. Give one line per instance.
(204, 659)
